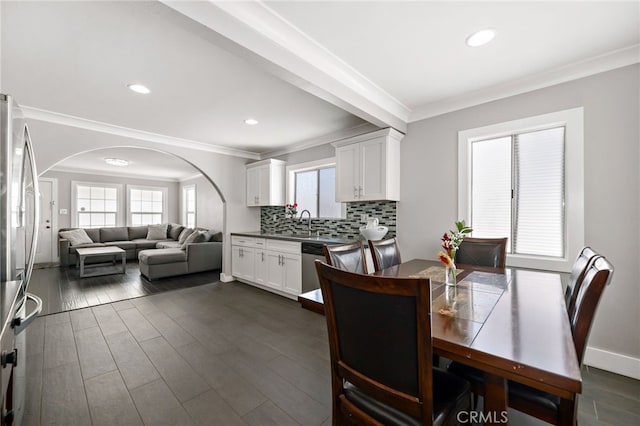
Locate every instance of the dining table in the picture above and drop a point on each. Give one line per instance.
(510, 323)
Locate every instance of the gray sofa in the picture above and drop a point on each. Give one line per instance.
(157, 258)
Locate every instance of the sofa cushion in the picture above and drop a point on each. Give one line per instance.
(124, 245)
(94, 234)
(174, 231)
(161, 256)
(138, 232)
(157, 232)
(73, 249)
(185, 234)
(143, 243)
(195, 237)
(114, 234)
(168, 244)
(76, 237)
(214, 237)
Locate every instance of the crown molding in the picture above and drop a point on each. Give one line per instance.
(256, 32)
(595, 65)
(98, 126)
(110, 174)
(323, 140)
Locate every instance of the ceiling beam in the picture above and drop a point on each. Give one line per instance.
(255, 32)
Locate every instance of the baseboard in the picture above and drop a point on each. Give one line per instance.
(226, 278)
(613, 362)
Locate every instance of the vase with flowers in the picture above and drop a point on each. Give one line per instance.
(290, 210)
(450, 243)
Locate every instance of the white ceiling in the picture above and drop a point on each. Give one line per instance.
(310, 72)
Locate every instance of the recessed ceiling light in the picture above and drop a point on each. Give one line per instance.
(480, 38)
(251, 121)
(116, 162)
(139, 88)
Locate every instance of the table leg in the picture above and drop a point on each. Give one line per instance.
(495, 399)
(124, 263)
(81, 260)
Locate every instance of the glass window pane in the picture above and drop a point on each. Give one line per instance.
(97, 205)
(156, 219)
(540, 193)
(110, 193)
(97, 219)
(84, 205)
(306, 191)
(147, 195)
(110, 219)
(135, 194)
(328, 205)
(157, 196)
(191, 220)
(147, 206)
(97, 192)
(110, 206)
(84, 221)
(491, 188)
(84, 192)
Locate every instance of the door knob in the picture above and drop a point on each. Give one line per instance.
(48, 227)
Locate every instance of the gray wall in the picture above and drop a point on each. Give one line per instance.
(209, 206)
(611, 115)
(64, 192)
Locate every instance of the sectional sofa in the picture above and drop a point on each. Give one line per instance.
(158, 257)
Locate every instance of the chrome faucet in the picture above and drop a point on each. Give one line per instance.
(309, 213)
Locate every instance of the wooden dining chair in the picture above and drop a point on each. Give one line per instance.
(380, 348)
(547, 407)
(348, 257)
(385, 253)
(483, 252)
(578, 270)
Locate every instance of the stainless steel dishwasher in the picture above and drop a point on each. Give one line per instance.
(310, 252)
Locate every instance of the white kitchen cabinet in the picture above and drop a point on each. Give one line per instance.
(274, 265)
(265, 183)
(368, 167)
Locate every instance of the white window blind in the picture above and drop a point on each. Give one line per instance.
(517, 190)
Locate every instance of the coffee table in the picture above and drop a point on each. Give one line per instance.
(89, 252)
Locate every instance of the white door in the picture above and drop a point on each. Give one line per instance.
(45, 252)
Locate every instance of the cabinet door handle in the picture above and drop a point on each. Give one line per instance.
(262, 256)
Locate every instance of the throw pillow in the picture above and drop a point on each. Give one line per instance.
(195, 237)
(157, 232)
(174, 231)
(76, 237)
(184, 234)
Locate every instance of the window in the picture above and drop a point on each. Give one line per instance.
(95, 205)
(189, 206)
(524, 180)
(313, 187)
(147, 205)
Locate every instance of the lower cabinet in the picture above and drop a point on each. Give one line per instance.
(274, 265)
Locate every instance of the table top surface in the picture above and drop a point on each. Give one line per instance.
(510, 321)
(88, 251)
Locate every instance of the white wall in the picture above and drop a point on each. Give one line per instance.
(53, 143)
(64, 192)
(428, 205)
(209, 206)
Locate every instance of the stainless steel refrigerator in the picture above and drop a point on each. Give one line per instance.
(19, 216)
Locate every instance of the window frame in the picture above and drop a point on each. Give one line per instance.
(184, 211)
(305, 167)
(165, 201)
(74, 200)
(573, 121)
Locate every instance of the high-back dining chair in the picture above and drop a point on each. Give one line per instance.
(380, 347)
(578, 270)
(536, 403)
(385, 253)
(348, 257)
(483, 252)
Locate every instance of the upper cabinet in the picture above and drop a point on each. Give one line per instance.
(368, 167)
(265, 183)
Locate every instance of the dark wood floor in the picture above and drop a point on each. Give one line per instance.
(61, 289)
(215, 354)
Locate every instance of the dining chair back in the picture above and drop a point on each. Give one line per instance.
(348, 257)
(385, 253)
(483, 252)
(380, 348)
(579, 269)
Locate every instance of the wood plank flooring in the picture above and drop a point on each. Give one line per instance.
(61, 289)
(215, 354)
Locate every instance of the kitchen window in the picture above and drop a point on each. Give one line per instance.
(524, 180)
(95, 205)
(189, 206)
(147, 205)
(313, 186)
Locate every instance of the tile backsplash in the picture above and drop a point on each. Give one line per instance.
(347, 228)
